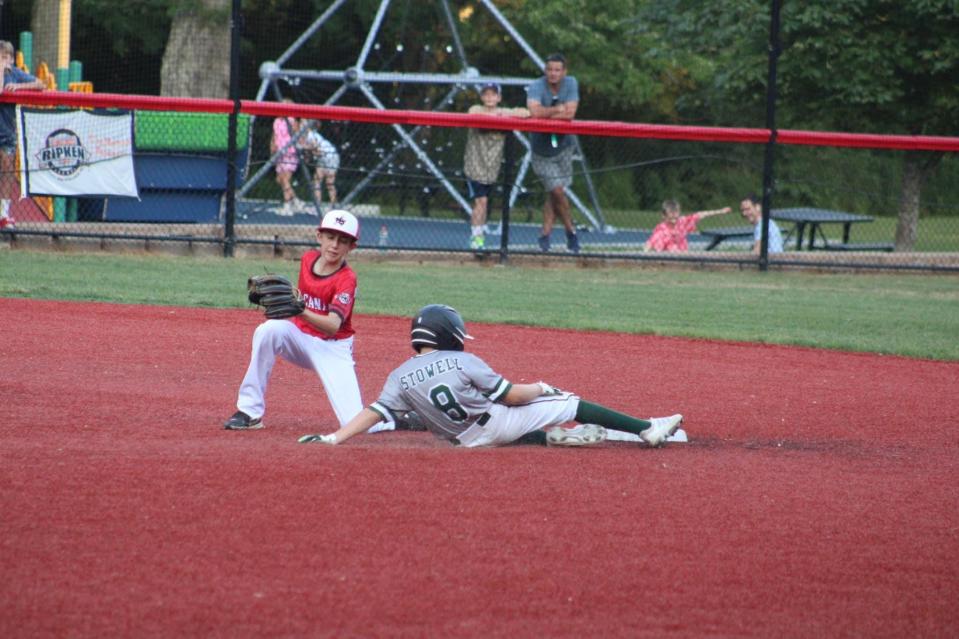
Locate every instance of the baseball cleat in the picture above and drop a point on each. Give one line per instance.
(241, 421)
(580, 435)
(544, 243)
(572, 243)
(661, 428)
(477, 242)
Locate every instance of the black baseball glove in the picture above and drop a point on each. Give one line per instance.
(276, 295)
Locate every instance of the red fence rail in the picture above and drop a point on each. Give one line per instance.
(462, 120)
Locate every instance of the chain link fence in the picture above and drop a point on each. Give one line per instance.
(410, 186)
(424, 182)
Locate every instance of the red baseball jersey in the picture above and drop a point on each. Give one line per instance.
(673, 238)
(324, 294)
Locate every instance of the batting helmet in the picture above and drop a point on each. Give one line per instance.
(440, 327)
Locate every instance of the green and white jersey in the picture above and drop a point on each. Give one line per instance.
(449, 389)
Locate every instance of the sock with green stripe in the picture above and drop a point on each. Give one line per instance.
(590, 413)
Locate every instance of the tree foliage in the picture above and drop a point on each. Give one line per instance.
(852, 65)
(875, 65)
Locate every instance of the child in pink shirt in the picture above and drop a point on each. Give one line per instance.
(283, 131)
(670, 234)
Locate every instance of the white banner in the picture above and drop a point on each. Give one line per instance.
(76, 153)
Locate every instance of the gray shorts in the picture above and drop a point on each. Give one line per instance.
(327, 161)
(555, 171)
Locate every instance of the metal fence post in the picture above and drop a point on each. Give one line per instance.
(229, 232)
(508, 161)
(768, 162)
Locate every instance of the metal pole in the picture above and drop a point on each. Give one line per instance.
(769, 160)
(457, 43)
(511, 30)
(299, 42)
(371, 36)
(229, 232)
(508, 160)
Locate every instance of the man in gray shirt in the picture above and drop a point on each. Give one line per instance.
(752, 209)
(462, 400)
(554, 96)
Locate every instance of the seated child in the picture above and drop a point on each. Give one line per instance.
(670, 234)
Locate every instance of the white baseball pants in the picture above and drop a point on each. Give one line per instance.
(331, 360)
(509, 423)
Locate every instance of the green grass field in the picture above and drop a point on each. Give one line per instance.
(910, 314)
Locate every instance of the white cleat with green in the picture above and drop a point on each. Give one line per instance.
(661, 429)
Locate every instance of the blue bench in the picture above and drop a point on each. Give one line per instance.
(174, 187)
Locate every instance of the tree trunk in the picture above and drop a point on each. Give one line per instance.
(916, 167)
(44, 23)
(909, 194)
(196, 62)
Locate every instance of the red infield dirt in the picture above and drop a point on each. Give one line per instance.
(817, 496)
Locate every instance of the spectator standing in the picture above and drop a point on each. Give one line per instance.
(326, 161)
(670, 235)
(13, 80)
(752, 209)
(483, 157)
(554, 96)
(284, 130)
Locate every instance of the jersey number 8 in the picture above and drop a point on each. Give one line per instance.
(443, 398)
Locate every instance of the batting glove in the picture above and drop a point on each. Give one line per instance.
(546, 389)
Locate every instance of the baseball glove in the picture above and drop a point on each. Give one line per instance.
(276, 295)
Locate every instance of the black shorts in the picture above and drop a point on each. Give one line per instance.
(478, 189)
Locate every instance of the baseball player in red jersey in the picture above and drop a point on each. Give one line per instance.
(320, 338)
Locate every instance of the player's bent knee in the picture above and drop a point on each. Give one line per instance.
(270, 328)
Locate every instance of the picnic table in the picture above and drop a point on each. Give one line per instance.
(812, 218)
(718, 235)
(804, 218)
